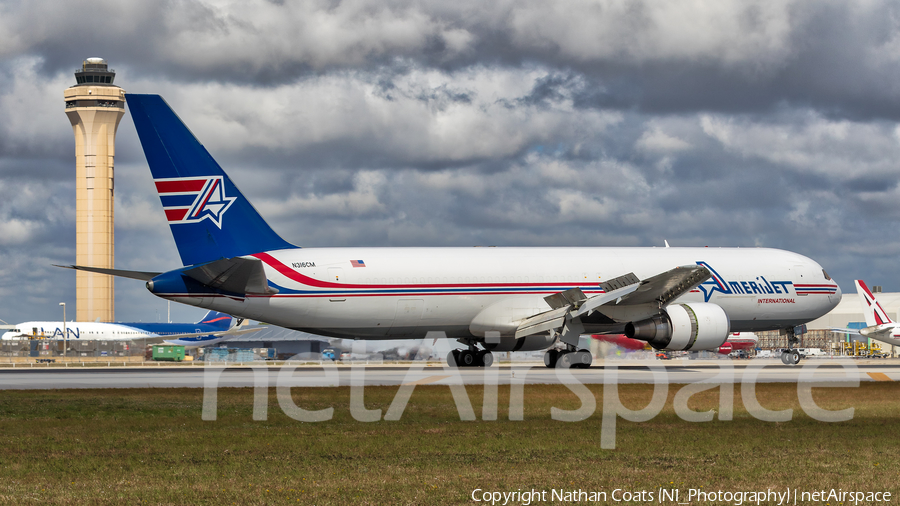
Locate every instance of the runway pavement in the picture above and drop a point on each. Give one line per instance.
(627, 371)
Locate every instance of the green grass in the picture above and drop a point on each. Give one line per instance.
(151, 447)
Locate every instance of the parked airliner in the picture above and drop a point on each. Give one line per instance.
(489, 299)
(739, 341)
(879, 325)
(213, 328)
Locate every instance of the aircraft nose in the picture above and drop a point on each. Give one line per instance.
(836, 298)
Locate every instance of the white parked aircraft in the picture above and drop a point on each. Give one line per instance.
(213, 328)
(498, 299)
(879, 325)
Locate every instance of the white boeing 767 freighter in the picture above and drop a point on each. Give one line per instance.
(490, 299)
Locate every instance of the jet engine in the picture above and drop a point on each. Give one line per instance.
(688, 327)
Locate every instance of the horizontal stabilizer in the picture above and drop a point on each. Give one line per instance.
(234, 275)
(143, 276)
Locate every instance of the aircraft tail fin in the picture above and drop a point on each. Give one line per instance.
(221, 320)
(209, 217)
(875, 314)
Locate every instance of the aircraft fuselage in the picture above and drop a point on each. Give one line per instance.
(388, 293)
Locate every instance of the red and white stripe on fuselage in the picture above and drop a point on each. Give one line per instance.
(312, 287)
(829, 289)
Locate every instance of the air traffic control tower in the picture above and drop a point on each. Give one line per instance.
(94, 107)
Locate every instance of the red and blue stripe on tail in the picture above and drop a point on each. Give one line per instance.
(209, 217)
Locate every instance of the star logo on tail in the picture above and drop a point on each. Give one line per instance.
(191, 200)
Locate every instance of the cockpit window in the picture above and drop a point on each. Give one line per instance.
(826, 275)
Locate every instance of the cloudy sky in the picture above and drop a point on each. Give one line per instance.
(435, 123)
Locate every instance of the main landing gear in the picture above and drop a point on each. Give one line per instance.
(471, 357)
(791, 356)
(569, 358)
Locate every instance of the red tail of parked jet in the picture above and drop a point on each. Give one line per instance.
(879, 325)
(875, 314)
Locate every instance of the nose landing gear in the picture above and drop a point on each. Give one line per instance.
(791, 356)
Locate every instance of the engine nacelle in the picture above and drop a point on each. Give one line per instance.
(685, 327)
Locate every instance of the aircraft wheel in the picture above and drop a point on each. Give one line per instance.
(566, 360)
(466, 358)
(485, 358)
(582, 359)
(785, 357)
(550, 358)
(453, 358)
(794, 357)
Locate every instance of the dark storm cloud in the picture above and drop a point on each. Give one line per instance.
(407, 123)
(872, 184)
(727, 56)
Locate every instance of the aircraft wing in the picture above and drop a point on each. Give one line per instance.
(845, 331)
(665, 287)
(874, 331)
(569, 306)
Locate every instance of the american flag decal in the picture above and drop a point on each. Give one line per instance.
(357, 263)
(193, 199)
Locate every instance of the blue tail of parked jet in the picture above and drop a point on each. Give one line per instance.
(217, 319)
(209, 217)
